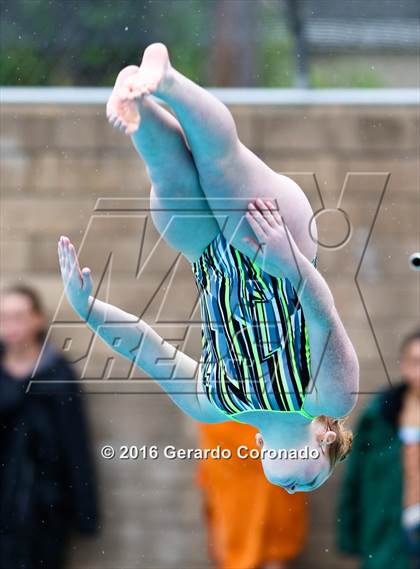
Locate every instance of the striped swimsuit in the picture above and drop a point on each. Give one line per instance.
(254, 339)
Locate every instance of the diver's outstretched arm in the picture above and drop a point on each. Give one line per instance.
(334, 362)
(134, 339)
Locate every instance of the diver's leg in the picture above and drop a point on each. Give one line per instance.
(178, 205)
(230, 174)
(206, 121)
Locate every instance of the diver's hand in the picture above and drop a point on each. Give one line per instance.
(77, 284)
(280, 254)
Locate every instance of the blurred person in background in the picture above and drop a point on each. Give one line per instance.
(379, 509)
(47, 483)
(251, 524)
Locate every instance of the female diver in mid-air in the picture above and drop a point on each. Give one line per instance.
(275, 352)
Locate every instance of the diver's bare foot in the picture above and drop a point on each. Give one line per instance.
(122, 112)
(152, 73)
(133, 83)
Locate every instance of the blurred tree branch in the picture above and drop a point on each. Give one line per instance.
(234, 42)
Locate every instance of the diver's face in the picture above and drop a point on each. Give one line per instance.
(300, 474)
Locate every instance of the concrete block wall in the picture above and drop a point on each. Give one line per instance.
(58, 161)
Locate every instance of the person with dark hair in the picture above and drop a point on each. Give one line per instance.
(47, 482)
(379, 507)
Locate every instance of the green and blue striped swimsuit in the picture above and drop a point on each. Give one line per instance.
(254, 339)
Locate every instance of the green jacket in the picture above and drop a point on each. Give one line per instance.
(370, 503)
